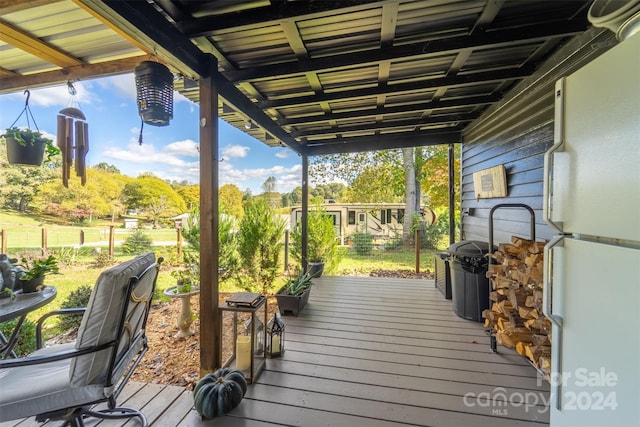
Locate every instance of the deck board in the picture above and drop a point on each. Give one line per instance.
(370, 352)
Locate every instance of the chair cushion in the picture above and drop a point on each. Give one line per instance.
(29, 390)
(100, 322)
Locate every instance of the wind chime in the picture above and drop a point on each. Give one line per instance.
(73, 140)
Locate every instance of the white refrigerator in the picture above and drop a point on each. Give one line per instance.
(592, 266)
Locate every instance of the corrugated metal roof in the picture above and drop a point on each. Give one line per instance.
(334, 75)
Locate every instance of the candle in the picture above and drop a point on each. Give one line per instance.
(275, 344)
(243, 353)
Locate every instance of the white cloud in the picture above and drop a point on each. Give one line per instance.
(231, 151)
(57, 96)
(143, 154)
(282, 154)
(187, 147)
(123, 85)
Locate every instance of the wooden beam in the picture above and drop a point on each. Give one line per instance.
(210, 340)
(22, 40)
(139, 20)
(81, 72)
(239, 102)
(385, 142)
(11, 6)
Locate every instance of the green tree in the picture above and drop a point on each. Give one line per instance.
(403, 170)
(154, 196)
(259, 246)
(99, 197)
(107, 168)
(190, 194)
(273, 198)
(230, 199)
(372, 186)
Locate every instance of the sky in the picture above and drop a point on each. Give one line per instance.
(169, 152)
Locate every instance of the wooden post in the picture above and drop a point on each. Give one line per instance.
(417, 243)
(44, 241)
(81, 237)
(112, 238)
(179, 241)
(210, 339)
(4, 241)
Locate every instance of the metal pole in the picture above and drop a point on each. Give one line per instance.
(452, 196)
(305, 209)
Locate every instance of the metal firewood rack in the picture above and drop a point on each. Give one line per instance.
(492, 337)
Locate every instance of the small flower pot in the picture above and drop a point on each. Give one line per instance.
(316, 269)
(32, 285)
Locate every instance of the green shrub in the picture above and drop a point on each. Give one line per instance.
(79, 297)
(259, 247)
(430, 235)
(362, 243)
(322, 242)
(103, 259)
(136, 243)
(26, 339)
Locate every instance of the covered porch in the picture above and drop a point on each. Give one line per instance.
(371, 351)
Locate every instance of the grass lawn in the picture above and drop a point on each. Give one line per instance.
(24, 231)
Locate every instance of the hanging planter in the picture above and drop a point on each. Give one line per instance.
(154, 93)
(27, 147)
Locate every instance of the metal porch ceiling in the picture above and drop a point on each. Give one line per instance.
(319, 76)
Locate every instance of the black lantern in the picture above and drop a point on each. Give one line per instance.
(154, 90)
(275, 336)
(258, 333)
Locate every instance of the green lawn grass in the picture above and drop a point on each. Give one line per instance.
(24, 231)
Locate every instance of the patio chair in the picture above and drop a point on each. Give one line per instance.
(64, 381)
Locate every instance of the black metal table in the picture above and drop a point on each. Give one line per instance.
(19, 307)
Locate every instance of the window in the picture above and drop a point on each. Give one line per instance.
(352, 217)
(361, 217)
(400, 216)
(383, 217)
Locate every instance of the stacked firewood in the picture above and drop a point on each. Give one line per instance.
(516, 315)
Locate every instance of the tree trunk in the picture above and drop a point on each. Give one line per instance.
(409, 192)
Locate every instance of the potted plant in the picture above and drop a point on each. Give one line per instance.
(187, 284)
(188, 277)
(322, 243)
(27, 147)
(33, 272)
(294, 295)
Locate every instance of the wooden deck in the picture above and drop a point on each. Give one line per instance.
(372, 352)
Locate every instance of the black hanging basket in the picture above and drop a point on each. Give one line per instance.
(154, 89)
(25, 154)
